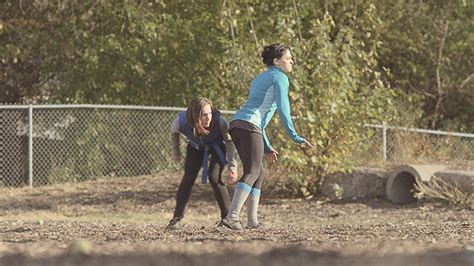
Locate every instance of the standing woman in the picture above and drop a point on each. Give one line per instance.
(207, 134)
(268, 93)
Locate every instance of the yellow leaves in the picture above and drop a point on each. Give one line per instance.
(338, 190)
(310, 116)
(139, 69)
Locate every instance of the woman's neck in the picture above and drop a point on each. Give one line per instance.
(198, 132)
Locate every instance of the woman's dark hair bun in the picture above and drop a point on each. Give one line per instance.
(273, 51)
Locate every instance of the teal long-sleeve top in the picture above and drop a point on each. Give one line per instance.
(268, 93)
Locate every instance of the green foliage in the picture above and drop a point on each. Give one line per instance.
(108, 52)
(351, 57)
(338, 89)
(427, 46)
(167, 52)
(337, 82)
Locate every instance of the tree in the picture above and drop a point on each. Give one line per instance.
(428, 48)
(337, 82)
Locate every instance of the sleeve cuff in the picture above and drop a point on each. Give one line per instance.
(299, 139)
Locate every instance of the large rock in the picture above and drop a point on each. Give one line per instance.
(463, 179)
(397, 185)
(401, 182)
(360, 183)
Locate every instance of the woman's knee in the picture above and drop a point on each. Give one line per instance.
(258, 183)
(213, 179)
(256, 172)
(248, 179)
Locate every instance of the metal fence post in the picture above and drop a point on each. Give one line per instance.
(30, 145)
(384, 141)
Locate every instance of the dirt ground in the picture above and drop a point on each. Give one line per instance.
(121, 221)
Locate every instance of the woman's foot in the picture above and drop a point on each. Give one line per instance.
(258, 226)
(220, 224)
(232, 224)
(174, 223)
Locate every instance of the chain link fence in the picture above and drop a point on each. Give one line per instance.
(77, 143)
(13, 147)
(69, 143)
(400, 145)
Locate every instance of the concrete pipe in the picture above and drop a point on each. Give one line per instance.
(401, 182)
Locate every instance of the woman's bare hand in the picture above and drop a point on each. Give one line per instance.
(272, 156)
(307, 143)
(232, 176)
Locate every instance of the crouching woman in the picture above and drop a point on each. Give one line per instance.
(210, 147)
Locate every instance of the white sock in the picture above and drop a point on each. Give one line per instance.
(241, 193)
(252, 207)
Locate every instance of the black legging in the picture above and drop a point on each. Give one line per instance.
(192, 165)
(249, 145)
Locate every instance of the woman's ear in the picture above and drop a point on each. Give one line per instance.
(275, 61)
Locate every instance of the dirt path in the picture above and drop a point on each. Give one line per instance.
(121, 222)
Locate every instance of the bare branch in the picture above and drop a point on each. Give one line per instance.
(440, 57)
(300, 36)
(21, 7)
(254, 33)
(435, 26)
(438, 76)
(464, 82)
(438, 188)
(230, 19)
(426, 93)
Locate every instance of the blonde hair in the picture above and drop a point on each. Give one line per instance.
(194, 113)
